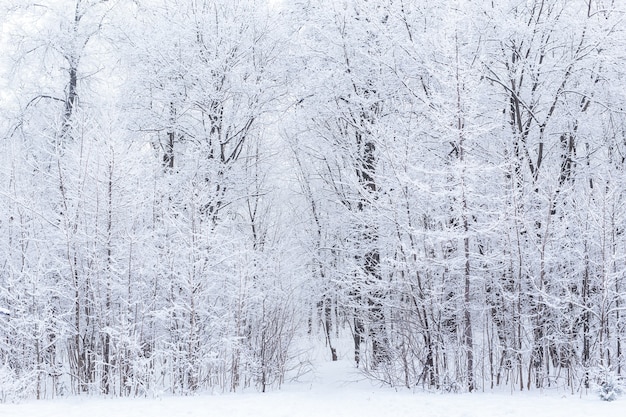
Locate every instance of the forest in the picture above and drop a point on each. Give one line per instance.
(193, 193)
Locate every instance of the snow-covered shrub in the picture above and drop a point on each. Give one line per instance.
(609, 386)
(610, 389)
(14, 388)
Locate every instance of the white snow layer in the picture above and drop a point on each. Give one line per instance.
(335, 390)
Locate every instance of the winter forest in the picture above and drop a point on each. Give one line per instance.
(195, 192)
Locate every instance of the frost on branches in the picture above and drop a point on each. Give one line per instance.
(195, 195)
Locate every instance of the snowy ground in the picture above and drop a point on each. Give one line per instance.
(335, 390)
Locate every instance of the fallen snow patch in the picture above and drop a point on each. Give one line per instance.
(334, 389)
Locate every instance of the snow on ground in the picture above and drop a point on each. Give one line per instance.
(336, 389)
